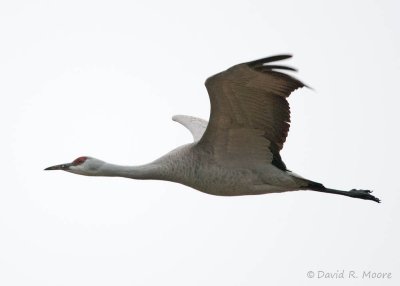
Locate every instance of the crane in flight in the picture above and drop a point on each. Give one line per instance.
(237, 152)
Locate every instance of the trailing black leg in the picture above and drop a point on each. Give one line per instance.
(363, 194)
(359, 194)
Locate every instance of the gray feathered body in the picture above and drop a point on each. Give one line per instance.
(196, 167)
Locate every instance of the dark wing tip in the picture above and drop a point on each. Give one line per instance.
(292, 82)
(264, 68)
(262, 65)
(262, 61)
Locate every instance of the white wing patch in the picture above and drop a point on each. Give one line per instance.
(196, 126)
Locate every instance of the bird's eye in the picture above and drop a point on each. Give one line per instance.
(79, 161)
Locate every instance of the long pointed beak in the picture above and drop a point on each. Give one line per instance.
(59, 167)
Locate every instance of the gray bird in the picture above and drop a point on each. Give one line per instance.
(237, 152)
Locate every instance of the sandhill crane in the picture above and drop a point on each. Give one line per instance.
(237, 151)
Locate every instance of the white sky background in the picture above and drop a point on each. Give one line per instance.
(103, 78)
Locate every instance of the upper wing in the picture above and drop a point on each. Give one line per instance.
(250, 115)
(196, 126)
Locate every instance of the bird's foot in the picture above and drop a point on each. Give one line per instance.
(363, 194)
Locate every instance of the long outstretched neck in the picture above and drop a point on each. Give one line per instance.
(141, 172)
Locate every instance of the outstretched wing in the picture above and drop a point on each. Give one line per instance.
(250, 115)
(196, 126)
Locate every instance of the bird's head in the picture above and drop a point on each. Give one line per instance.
(83, 165)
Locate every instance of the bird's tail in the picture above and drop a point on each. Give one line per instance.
(306, 184)
(314, 186)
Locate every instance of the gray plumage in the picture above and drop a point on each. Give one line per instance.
(195, 125)
(237, 151)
